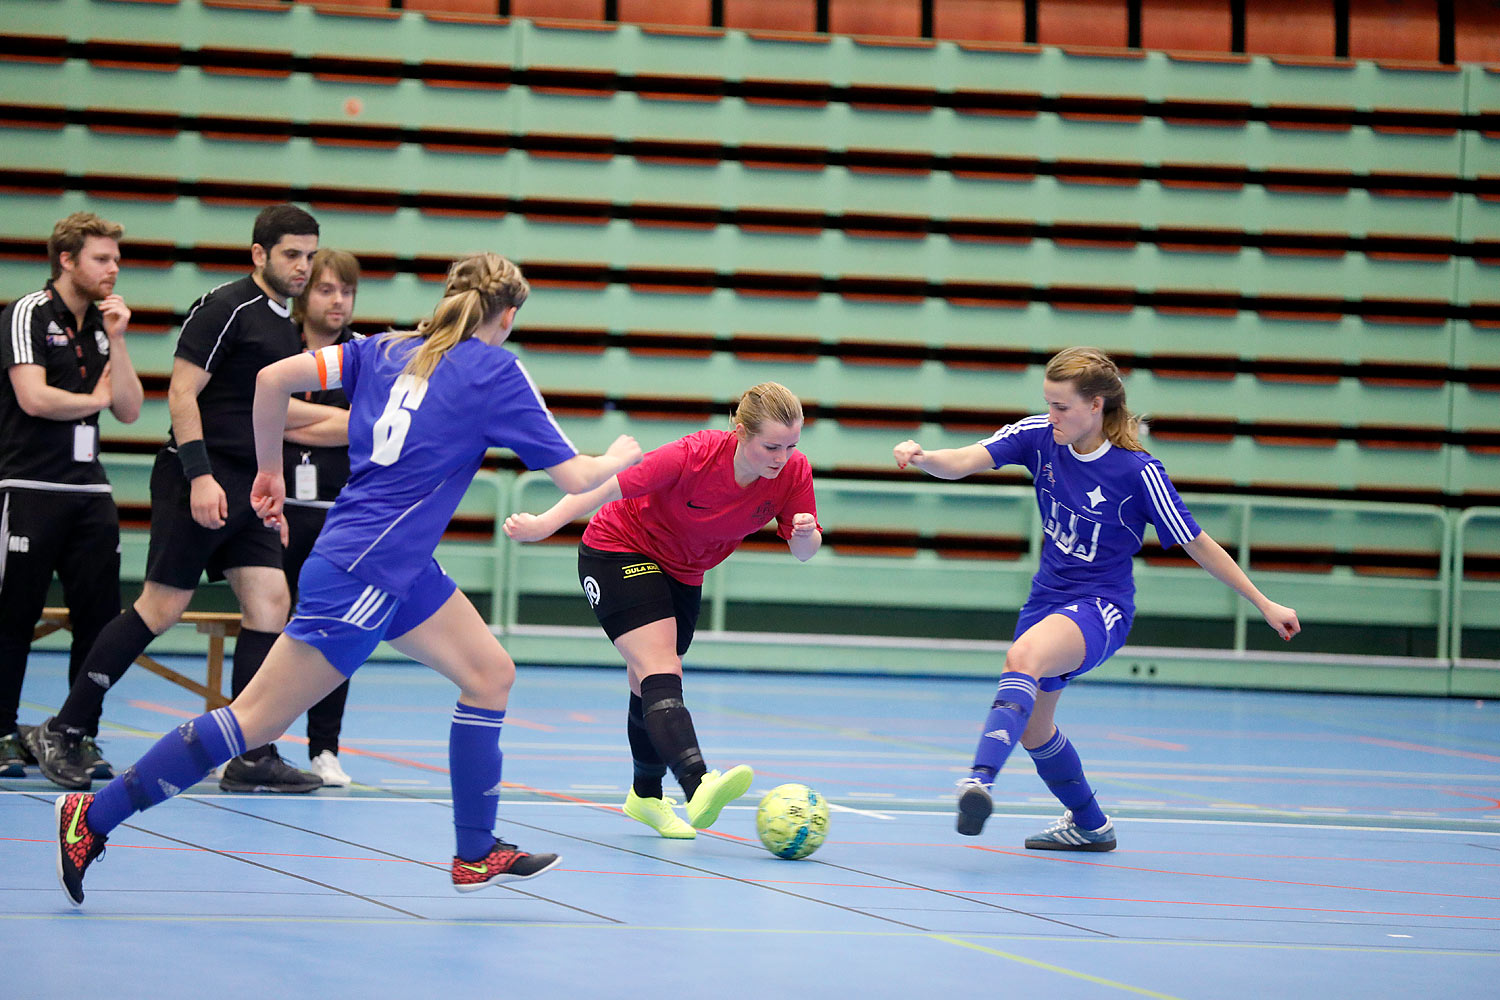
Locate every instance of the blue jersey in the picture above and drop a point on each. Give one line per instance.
(1094, 508)
(415, 445)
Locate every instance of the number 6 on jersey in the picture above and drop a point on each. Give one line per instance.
(394, 423)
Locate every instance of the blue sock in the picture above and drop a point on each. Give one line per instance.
(179, 760)
(474, 768)
(1005, 723)
(1058, 764)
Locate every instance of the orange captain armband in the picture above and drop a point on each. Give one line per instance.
(330, 366)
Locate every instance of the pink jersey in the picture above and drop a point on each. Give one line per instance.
(682, 507)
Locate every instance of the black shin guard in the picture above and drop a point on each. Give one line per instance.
(670, 727)
(649, 767)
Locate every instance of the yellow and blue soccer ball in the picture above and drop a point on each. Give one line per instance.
(792, 821)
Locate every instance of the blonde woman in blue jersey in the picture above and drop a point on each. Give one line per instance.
(1097, 488)
(424, 408)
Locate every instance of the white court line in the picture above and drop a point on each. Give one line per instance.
(1371, 827)
(835, 807)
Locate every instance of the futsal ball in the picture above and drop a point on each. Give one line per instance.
(792, 821)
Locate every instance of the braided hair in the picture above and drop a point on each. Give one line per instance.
(478, 288)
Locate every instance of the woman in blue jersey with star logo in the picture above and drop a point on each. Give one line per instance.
(425, 405)
(1097, 489)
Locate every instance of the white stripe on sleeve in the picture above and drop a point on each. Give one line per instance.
(1167, 514)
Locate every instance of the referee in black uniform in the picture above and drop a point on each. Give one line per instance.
(201, 517)
(316, 471)
(63, 351)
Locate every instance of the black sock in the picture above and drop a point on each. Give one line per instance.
(119, 643)
(649, 767)
(670, 727)
(325, 721)
(250, 650)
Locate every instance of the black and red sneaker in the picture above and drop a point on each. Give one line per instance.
(504, 863)
(77, 845)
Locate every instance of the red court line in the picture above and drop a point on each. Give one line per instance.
(1493, 803)
(1190, 854)
(846, 885)
(1145, 742)
(1424, 748)
(1035, 856)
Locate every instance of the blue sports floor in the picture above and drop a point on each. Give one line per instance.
(1271, 845)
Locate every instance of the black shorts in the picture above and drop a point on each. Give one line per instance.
(181, 549)
(628, 590)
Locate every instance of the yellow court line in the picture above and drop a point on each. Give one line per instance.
(1047, 967)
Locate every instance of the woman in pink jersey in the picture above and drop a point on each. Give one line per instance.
(661, 525)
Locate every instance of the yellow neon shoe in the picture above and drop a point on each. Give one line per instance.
(716, 792)
(659, 816)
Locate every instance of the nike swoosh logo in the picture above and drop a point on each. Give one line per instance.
(696, 506)
(478, 869)
(73, 836)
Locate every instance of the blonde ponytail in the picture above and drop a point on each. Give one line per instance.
(479, 287)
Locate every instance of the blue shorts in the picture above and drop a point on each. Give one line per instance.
(345, 618)
(1104, 627)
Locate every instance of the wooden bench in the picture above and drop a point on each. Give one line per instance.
(215, 624)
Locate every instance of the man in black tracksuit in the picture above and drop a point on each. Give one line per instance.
(64, 357)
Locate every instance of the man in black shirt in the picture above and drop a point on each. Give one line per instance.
(315, 473)
(201, 517)
(63, 351)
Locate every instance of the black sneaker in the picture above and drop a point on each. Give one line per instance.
(60, 756)
(974, 806)
(14, 756)
(99, 768)
(268, 774)
(77, 845)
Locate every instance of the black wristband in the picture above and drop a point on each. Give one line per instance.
(194, 458)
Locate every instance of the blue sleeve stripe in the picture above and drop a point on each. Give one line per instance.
(1167, 514)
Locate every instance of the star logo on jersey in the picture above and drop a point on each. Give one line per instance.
(1096, 496)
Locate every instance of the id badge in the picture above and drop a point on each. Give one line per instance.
(305, 482)
(85, 443)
